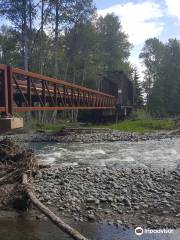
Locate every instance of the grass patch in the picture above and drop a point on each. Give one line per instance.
(141, 126)
(57, 126)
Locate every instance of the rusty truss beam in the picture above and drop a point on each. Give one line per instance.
(22, 91)
(3, 89)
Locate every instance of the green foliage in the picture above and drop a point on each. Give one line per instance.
(142, 126)
(138, 95)
(9, 46)
(114, 47)
(21, 14)
(162, 76)
(80, 54)
(71, 43)
(140, 114)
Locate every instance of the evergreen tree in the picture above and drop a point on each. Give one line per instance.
(138, 95)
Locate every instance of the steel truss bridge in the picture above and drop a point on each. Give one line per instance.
(23, 91)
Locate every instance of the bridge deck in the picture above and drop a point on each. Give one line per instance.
(22, 91)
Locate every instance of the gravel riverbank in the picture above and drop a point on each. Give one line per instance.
(130, 197)
(136, 197)
(90, 136)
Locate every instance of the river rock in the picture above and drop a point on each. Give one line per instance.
(91, 217)
(127, 202)
(93, 194)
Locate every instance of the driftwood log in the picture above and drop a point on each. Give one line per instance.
(56, 220)
(21, 164)
(8, 176)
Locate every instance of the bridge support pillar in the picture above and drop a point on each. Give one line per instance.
(7, 124)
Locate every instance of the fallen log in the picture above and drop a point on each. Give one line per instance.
(48, 213)
(8, 176)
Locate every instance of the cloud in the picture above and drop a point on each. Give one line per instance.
(139, 20)
(173, 8)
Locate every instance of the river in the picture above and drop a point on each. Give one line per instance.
(154, 154)
(24, 229)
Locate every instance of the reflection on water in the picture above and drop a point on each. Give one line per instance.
(23, 229)
(164, 153)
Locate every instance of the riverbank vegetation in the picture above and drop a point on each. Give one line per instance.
(131, 125)
(141, 126)
(141, 121)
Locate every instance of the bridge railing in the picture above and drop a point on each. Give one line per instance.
(28, 91)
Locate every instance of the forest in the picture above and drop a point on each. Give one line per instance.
(162, 76)
(69, 40)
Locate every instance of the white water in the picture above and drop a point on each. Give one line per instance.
(155, 154)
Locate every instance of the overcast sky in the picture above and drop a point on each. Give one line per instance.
(144, 19)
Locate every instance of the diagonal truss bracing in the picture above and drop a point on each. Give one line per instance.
(22, 91)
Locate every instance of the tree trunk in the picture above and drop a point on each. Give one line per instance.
(30, 34)
(56, 40)
(66, 71)
(84, 76)
(25, 35)
(41, 37)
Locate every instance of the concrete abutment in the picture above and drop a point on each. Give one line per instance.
(10, 123)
